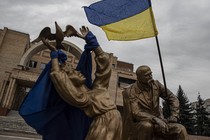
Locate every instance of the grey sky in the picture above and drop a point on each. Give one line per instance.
(184, 30)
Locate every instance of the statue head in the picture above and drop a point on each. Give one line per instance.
(75, 76)
(144, 74)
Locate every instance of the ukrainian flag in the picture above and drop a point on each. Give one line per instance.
(123, 19)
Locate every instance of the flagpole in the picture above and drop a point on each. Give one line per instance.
(161, 64)
(163, 74)
(158, 47)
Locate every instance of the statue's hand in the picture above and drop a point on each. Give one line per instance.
(47, 43)
(172, 119)
(161, 125)
(84, 31)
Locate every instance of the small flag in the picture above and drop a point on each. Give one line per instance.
(123, 19)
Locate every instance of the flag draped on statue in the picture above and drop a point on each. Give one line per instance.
(123, 19)
(45, 111)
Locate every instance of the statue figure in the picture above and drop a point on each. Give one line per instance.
(94, 101)
(142, 118)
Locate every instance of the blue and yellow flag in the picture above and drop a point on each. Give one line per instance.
(123, 19)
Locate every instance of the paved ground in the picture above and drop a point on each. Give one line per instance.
(4, 137)
(193, 137)
(13, 127)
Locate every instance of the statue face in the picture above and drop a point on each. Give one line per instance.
(144, 75)
(77, 78)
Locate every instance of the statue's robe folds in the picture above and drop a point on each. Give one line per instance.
(96, 102)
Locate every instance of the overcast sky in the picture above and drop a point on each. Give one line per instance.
(184, 37)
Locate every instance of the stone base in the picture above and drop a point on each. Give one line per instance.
(13, 127)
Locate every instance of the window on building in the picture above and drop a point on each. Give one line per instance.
(70, 59)
(76, 61)
(32, 64)
(46, 53)
(124, 82)
(20, 94)
(42, 66)
(38, 54)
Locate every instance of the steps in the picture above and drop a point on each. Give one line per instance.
(13, 127)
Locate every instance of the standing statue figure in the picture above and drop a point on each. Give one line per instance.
(94, 101)
(142, 119)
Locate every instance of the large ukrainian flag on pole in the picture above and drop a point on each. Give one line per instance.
(123, 19)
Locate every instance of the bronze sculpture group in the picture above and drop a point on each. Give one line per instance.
(141, 119)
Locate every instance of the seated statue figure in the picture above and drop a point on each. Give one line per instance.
(94, 101)
(142, 119)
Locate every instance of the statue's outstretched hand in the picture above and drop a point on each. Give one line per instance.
(48, 45)
(161, 124)
(84, 31)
